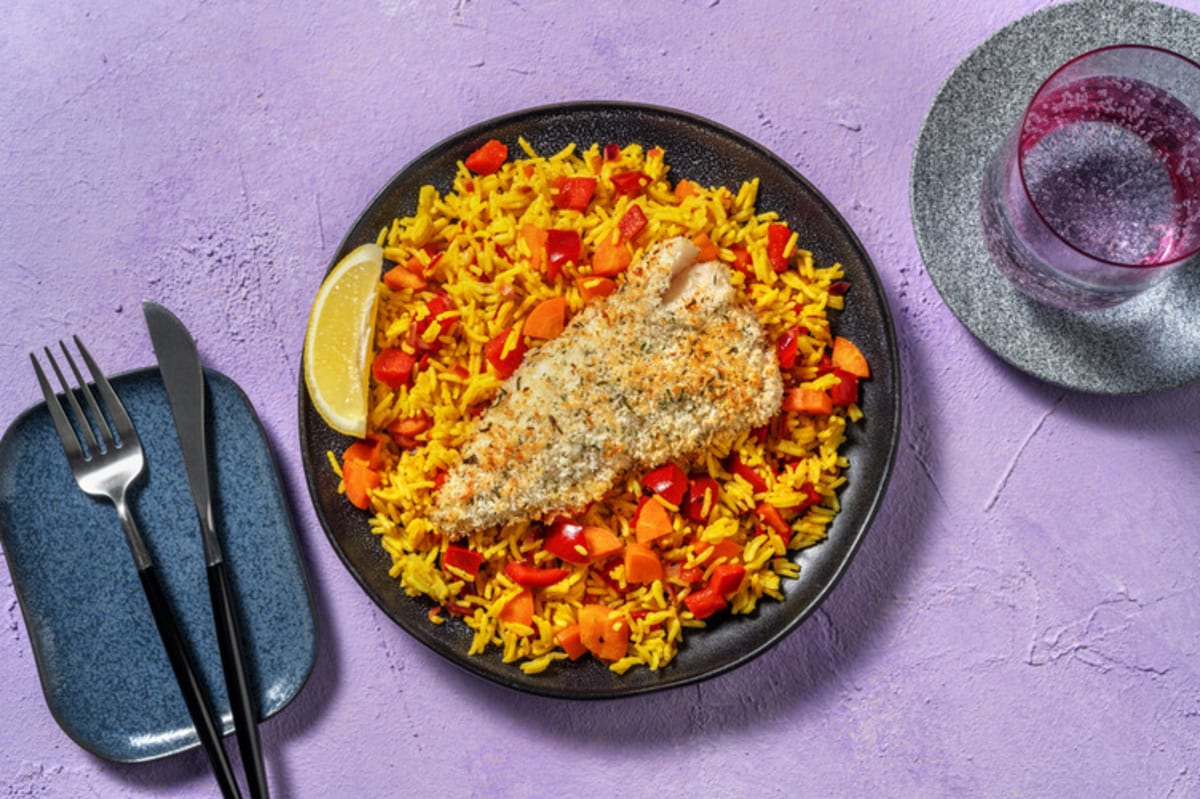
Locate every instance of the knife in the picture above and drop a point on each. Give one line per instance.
(179, 362)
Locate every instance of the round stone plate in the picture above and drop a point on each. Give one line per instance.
(1150, 343)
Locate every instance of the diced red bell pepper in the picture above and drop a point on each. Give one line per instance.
(845, 392)
(612, 152)
(630, 184)
(465, 560)
(771, 517)
(748, 473)
(727, 578)
(787, 346)
(505, 351)
(668, 481)
(777, 239)
(488, 158)
(533, 577)
(632, 222)
(702, 495)
(393, 367)
(437, 312)
(562, 246)
(838, 288)
(574, 193)
(705, 602)
(742, 261)
(567, 539)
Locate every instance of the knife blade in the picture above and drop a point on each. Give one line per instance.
(183, 377)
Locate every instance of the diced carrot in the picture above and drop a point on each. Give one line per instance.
(642, 564)
(808, 400)
(725, 548)
(595, 286)
(685, 189)
(547, 318)
(610, 258)
(606, 638)
(405, 277)
(535, 238)
(848, 357)
(368, 450)
(708, 250)
(360, 479)
(652, 521)
(519, 609)
(600, 541)
(571, 641)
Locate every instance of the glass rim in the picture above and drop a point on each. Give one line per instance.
(1021, 167)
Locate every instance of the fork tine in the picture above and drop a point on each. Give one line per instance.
(97, 413)
(66, 433)
(89, 436)
(116, 409)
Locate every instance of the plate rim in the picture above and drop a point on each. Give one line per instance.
(475, 665)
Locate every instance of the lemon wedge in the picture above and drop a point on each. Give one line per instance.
(337, 344)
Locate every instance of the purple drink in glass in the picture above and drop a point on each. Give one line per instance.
(1095, 197)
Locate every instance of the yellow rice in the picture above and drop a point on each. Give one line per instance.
(486, 272)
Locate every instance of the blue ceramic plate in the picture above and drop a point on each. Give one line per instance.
(103, 669)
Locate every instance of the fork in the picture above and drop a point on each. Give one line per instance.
(106, 466)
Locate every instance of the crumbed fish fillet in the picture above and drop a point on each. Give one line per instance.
(669, 364)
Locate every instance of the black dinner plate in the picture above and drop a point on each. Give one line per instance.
(705, 152)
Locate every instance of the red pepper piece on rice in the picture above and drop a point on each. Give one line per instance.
(778, 236)
(705, 602)
(393, 367)
(668, 481)
(465, 560)
(505, 351)
(630, 184)
(532, 576)
(574, 193)
(702, 495)
(488, 158)
(632, 222)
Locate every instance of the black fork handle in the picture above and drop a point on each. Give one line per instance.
(189, 683)
(237, 683)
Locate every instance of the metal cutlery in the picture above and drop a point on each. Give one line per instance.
(179, 363)
(105, 464)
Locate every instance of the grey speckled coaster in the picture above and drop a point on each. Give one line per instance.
(1150, 343)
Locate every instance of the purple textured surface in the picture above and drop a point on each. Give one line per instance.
(1023, 617)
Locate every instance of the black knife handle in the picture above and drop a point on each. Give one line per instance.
(189, 683)
(237, 683)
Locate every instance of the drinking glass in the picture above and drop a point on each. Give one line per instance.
(1095, 196)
